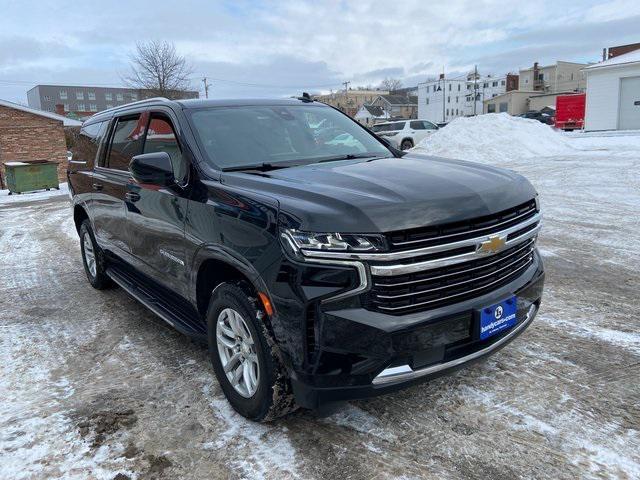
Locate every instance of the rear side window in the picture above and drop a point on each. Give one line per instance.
(126, 141)
(87, 142)
(161, 137)
(416, 125)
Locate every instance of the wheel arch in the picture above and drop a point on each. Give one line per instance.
(213, 268)
(79, 216)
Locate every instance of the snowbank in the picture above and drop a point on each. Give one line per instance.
(495, 136)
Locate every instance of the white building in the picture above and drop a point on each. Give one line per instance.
(561, 77)
(371, 114)
(613, 93)
(442, 100)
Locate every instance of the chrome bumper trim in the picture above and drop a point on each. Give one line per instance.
(405, 373)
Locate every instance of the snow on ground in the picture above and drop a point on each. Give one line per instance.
(92, 385)
(32, 196)
(494, 137)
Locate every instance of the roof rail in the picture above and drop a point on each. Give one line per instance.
(139, 102)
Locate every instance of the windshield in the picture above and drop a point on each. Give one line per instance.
(234, 137)
(388, 127)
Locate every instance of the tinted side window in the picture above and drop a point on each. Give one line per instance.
(417, 125)
(429, 126)
(161, 137)
(126, 141)
(87, 142)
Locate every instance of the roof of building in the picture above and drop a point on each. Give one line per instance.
(374, 110)
(540, 67)
(400, 99)
(631, 57)
(67, 122)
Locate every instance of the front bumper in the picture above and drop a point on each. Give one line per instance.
(363, 353)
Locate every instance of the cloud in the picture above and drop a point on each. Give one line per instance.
(287, 45)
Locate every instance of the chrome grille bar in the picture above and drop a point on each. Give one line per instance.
(466, 292)
(474, 279)
(526, 245)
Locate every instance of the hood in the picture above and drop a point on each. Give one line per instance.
(387, 194)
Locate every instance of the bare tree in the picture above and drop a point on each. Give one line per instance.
(157, 68)
(391, 84)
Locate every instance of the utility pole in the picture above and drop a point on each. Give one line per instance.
(346, 97)
(206, 87)
(475, 89)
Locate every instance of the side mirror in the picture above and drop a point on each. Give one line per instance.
(152, 168)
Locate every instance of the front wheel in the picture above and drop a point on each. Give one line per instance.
(406, 144)
(244, 356)
(92, 258)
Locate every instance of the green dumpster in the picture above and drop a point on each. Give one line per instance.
(29, 176)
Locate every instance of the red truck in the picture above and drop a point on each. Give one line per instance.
(570, 111)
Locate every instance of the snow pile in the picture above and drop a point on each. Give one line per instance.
(495, 136)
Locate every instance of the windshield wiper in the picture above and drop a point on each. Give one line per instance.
(260, 166)
(349, 156)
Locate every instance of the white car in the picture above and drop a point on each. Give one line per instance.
(405, 134)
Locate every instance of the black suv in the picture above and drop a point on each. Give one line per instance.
(318, 267)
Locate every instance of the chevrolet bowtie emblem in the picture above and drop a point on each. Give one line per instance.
(493, 245)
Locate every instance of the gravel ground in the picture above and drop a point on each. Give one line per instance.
(94, 386)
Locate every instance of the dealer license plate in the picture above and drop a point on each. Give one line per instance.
(498, 318)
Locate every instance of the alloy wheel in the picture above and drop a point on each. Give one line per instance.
(237, 351)
(89, 254)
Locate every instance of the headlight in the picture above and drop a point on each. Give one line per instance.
(341, 242)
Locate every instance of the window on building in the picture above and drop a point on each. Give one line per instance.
(65, 107)
(161, 138)
(449, 87)
(47, 98)
(81, 107)
(494, 84)
(79, 95)
(63, 94)
(93, 107)
(458, 87)
(541, 77)
(448, 99)
(126, 141)
(485, 85)
(119, 97)
(503, 83)
(503, 107)
(427, 100)
(447, 112)
(91, 95)
(457, 99)
(108, 96)
(571, 75)
(134, 97)
(494, 95)
(526, 80)
(491, 108)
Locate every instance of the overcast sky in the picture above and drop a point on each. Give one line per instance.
(263, 48)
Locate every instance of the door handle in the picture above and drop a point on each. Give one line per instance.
(97, 186)
(132, 196)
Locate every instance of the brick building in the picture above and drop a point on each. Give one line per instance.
(31, 134)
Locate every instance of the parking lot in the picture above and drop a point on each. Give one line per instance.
(93, 385)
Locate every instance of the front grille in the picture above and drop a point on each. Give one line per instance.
(455, 231)
(432, 288)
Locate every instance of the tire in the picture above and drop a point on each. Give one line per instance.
(93, 259)
(406, 144)
(271, 395)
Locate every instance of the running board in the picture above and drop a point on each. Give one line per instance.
(181, 319)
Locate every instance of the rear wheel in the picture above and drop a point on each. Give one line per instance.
(92, 258)
(245, 357)
(406, 144)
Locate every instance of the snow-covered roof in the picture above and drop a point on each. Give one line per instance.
(67, 122)
(631, 57)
